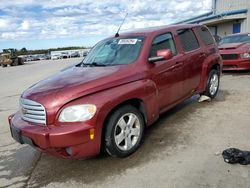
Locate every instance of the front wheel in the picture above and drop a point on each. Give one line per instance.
(124, 131)
(213, 84)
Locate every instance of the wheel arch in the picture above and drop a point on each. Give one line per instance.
(135, 102)
(216, 67)
(209, 65)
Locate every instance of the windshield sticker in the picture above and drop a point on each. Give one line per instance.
(127, 41)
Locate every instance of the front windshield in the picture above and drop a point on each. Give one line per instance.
(235, 39)
(116, 51)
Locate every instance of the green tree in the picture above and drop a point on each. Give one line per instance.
(24, 51)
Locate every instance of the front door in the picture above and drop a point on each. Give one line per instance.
(167, 74)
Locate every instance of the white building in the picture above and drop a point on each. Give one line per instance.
(226, 17)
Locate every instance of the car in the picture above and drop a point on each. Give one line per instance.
(235, 52)
(56, 56)
(65, 55)
(28, 59)
(75, 54)
(85, 53)
(106, 102)
(41, 57)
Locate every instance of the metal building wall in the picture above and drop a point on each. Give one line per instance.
(229, 5)
(245, 26)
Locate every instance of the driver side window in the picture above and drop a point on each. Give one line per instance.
(161, 42)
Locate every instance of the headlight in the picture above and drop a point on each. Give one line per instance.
(245, 56)
(77, 113)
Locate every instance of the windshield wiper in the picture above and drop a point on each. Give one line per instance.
(94, 64)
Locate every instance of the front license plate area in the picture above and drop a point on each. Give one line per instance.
(16, 134)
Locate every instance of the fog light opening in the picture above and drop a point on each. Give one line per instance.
(69, 151)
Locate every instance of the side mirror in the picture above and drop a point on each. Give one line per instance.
(164, 54)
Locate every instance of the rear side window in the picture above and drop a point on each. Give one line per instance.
(205, 36)
(188, 39)
(161, 42)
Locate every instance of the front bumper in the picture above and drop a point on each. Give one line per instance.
(56, 139)
(239, 64)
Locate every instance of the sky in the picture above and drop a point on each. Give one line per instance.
(40, 24)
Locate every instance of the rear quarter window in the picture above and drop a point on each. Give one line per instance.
(205, 35)
(188, 39)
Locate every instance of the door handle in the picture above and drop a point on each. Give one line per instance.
(202, 55)
(176, 65)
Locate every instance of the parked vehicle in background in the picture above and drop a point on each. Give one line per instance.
(235, 52)
(120, 88)
(56, 56)
(65, 55)
(42, 57)
(30, 58)
(9, 57)
(85, 54)
(27, 58)
(75, 54)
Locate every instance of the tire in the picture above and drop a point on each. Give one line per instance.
(4, 65)
(121, 137)
(15, 62)
(213, 84)
(20, 61)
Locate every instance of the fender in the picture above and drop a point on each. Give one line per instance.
(108, 100)
(144, 90)
(211, 61)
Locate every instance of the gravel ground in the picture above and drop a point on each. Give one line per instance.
(183, 149)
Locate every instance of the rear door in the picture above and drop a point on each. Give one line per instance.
(167, 74)
(208, 41)
(194, 58)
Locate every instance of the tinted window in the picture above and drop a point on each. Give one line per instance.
(164, 41)
(205, 36)
(188, 39)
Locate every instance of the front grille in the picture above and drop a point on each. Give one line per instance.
(32, 111)
(229, 56)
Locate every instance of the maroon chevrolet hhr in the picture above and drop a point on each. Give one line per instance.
(106, 102)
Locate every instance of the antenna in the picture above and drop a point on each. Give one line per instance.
(117, 33)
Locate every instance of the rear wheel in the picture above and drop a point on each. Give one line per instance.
(20, 61)
(213, 84)
(124, 131)
(15, 62)
(3, 65)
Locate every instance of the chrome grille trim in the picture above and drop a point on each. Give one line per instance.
(32, 111)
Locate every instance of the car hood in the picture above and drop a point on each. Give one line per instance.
(77, 82)
(232, 46)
